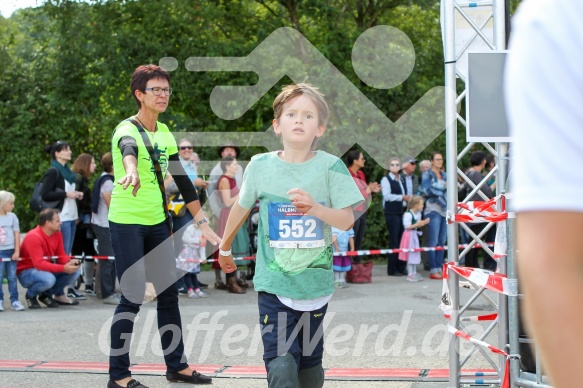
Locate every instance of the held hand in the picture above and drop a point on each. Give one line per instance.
(406, 198)
(15, 256)
(72, 266)
(424, 222)
(227, 264)
(209, 234)
(198, 182)
(302, 201)
(131, 179)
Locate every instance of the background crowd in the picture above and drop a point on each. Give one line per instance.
(82, 199)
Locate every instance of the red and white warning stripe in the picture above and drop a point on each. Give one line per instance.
(490, 280)
(480, 211)
(475, 341)
(475, 318)
(493, 349)
(367, 252)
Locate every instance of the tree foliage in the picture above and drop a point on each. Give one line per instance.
(67, 65)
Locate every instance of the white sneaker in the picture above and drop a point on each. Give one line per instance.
(201, 294)
(412, 278)
(1, 305)
(17, 306)
(112, 299)
(344, 285)
(193, 295)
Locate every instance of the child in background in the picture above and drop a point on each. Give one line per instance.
(342, 240)
(410, 240)
(190, 258)
(9, 249)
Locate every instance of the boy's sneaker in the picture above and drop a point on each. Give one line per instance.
(16, 306)
(32, 303)
(201, 294)
(74, 294)
(89, 290)
(192, 294)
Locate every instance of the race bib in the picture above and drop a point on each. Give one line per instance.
(289, 228)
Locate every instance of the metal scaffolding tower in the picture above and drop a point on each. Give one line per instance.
(488, 32)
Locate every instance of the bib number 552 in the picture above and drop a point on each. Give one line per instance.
(297, 228)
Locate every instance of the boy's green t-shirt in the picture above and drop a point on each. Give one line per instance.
(294, 257)
(146, 208)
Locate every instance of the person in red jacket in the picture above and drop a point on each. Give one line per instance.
(40, 276)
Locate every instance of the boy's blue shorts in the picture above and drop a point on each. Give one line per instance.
(283, 330)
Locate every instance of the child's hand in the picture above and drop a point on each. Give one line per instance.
(15, 256)
(302, 201)
(424, 222)
(227, 264)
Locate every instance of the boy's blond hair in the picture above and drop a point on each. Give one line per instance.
(6, 197)
(290, 91)
(414, 201)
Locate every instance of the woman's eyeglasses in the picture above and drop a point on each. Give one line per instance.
(157, 91)
(182, 148)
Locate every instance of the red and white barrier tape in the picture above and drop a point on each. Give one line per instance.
(475, 318)
(480, 211)
(493, 349)
(348, 253)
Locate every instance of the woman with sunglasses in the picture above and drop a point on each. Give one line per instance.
(140, 231)
(433, 187)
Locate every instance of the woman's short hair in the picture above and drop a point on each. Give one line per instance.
(226, 161)
(82, 165)
(141, 77)
(6, 197)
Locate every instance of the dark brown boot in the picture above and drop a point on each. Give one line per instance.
(234, 287)
(241, 282)
(219, 285)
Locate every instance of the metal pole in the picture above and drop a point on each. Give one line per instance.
(499, 11)
(513, 332)
(451, 165)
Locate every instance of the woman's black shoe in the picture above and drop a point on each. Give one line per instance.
(132, 384)
(195, 378)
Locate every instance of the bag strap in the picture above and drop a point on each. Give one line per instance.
(157, 169)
